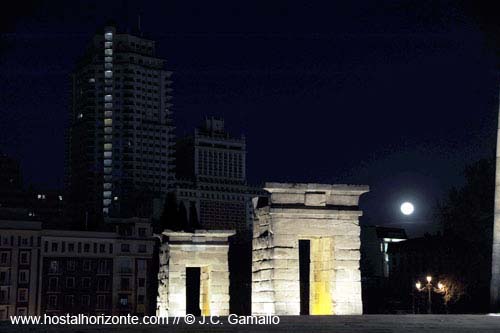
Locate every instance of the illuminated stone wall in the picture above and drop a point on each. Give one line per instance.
(328, 216)
(207, 249)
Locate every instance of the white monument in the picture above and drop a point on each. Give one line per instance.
(495, 264)
(323, 220)
(207, 252)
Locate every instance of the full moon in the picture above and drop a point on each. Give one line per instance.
(407, 208)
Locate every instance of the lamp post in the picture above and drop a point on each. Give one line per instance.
(430, 288)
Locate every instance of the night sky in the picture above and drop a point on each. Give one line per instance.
(396, 96)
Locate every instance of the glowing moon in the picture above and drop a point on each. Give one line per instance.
(407, 208)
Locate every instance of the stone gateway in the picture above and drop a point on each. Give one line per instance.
(305, 256)
(194, 275)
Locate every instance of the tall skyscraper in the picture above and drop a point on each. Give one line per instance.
(121, 141)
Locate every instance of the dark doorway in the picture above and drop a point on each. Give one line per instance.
(304, 274)
(193, 291)
(240, 266)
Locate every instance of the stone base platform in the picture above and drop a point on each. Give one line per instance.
(340, 324)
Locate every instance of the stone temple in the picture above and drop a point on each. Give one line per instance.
(305, 257)
(306, 250)
(194, 274)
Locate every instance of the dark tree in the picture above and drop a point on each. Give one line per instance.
(468, 211)
(455, 289)
(183, 218)
(170, 215)
(194, 223)
(466, 216)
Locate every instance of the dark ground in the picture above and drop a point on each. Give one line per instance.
(366, 323)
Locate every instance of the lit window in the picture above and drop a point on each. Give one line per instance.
(108, 36)
(91, 80)
(60, 198)
(108, 74)
(54, 266)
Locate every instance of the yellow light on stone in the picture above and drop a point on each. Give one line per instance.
(205, 291)
(321, 276)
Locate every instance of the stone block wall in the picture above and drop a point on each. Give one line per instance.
(207, 249)
(328, 216)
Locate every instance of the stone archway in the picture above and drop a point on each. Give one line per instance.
(328, 217)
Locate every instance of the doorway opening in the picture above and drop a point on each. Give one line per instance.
(198, 291)
(193, 275)
(304, 274)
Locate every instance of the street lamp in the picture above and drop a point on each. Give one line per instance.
(430, 288)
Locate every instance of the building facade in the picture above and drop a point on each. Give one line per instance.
(19, 267)
(211, 172)
(120, 140)
(375, 241)
(62, 271)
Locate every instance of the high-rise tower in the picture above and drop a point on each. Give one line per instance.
(211, 178)
(121, 141)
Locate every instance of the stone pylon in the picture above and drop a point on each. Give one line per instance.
(203, 249)
(495, 260)
(323, 217)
